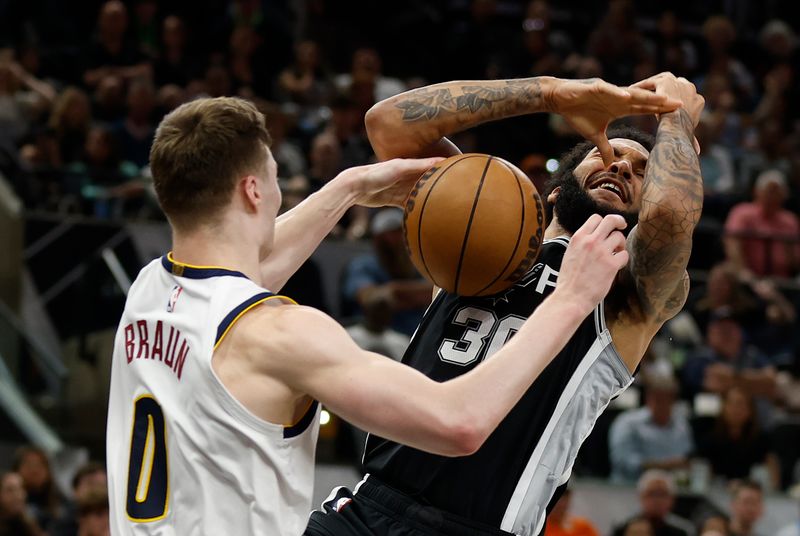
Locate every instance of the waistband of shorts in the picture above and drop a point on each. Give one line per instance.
(441, 521)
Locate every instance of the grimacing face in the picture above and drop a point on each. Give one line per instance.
(618, 186)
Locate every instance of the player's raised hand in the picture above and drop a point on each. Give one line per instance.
(590, 105)
(595, 254)
(387, 183)
(669, 85)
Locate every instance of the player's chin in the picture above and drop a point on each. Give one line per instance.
(608, 201)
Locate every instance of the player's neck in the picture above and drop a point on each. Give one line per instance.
(555, 229)
(205, 248)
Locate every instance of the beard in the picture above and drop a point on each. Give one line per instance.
(574, 205)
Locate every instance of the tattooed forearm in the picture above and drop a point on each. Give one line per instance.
(672, 200)
(500, 98)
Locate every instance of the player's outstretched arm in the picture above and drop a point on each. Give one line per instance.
(415, 123)
(299, 231)
(672, 200)
(312, 354)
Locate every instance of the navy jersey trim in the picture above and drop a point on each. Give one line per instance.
(196, 272)
(305, 421)
(237, 311)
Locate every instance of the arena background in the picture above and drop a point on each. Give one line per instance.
(83, 85)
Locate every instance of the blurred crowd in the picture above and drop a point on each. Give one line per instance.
(84, 85)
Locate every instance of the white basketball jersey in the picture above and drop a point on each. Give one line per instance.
(184, 456)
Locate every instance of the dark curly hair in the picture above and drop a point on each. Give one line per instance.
(570, 160)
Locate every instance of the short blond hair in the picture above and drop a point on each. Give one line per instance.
(201, 149)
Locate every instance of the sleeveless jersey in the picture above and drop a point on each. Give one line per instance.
(184, 456)
(509, 482)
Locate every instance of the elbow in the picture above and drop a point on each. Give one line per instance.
(374, 120)
(377, 125)
(464, 437)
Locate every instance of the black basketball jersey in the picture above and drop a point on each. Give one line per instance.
(510, 480)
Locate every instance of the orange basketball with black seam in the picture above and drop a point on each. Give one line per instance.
(473, 224)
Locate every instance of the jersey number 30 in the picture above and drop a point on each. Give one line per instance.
(481, 331)
(148, 486)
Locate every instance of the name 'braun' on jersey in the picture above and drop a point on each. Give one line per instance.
(511, 479)
(184, 456)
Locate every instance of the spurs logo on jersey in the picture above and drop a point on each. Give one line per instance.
(509, 482)
(185, 457)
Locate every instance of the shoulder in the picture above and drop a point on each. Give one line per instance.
(287, 341)
(274, 328)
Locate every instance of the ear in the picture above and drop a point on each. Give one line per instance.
(553, 195)
(251, 191)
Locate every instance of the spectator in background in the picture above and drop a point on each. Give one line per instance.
(170, 97)
(305, 82)
(762, 237)
(113, 52)
(341, 144)
(727, 361)
(174, 64)
(325, 160)
(90, 479)
(722, 116)
(767, 150)
(216, 82)
(305, 286)
(387, 272)
(561, 523)
(101, 179)
(347, 127)
(23, 99)
(43, 498)
(747, 507)
(542, 50)
(656, 498)
(136, 132)
(616, 42)
(766, 316)
(656, 436)
(374, 333)
(715, 525)
(287, 154)
(246, 54)
(792, 529)
(673, 51)
(145, 27)
(108, 102)
(366, 71)
(638, 527)
(14, 519)
(720, 185)
(70, 121)
(718, 59)
(737, 443)
(93, 514)
(535, 167)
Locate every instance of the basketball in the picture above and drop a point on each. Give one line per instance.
(473, 224)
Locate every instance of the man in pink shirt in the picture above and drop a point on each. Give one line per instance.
(761, 237)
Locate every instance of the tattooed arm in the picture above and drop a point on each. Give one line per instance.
(415, 123)
(660, 244)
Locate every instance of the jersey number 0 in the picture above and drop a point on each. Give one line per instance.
(148, 485)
